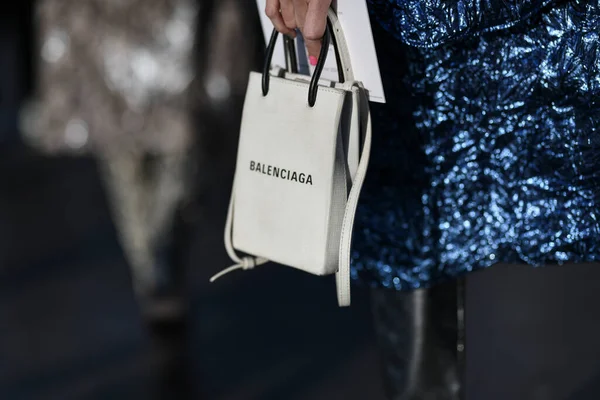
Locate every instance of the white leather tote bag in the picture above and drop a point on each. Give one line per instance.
(299, 168)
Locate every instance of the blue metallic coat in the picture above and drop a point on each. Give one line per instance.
(489, 147)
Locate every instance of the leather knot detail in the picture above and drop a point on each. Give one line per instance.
(248, 263)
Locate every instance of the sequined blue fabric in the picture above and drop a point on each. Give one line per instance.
(430, 23)
(488, 148)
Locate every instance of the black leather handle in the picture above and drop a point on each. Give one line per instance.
(268, 58)
(314, 83)
(291, 61)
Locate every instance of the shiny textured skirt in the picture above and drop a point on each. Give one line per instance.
(488, 148)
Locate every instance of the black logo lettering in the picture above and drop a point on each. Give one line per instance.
(282, 173)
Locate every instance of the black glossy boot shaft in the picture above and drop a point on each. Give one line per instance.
(421, 339)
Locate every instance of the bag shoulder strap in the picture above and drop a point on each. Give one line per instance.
(245, 263)
(342, 276)
(341, 46)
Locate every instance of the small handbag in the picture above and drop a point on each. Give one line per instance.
(299, 168)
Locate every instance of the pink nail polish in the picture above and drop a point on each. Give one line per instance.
(313, 60)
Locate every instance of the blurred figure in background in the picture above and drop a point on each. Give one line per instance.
(125, 80)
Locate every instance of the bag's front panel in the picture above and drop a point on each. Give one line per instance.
(285, 172)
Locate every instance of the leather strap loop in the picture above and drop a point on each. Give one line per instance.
(244, 263)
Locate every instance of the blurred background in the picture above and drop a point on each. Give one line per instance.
(118, 129)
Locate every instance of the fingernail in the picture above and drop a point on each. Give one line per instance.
(313, 60)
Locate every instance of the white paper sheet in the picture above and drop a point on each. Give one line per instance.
(354, 18)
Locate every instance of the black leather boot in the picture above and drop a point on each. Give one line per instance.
(421, 340)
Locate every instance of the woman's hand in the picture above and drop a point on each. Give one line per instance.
(310, 16)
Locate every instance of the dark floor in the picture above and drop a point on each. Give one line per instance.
(70, 328)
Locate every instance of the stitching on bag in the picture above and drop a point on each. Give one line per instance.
(343, 46)
(305, 86)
